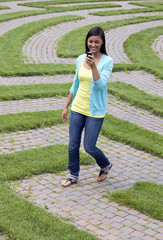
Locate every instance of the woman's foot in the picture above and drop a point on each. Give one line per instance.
(103, 174)
(68, 182)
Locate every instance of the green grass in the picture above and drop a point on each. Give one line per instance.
(29, 120)
(51, 159)
(113, 128)
(81, 7)
(139, 50)
(145, 197)
(125, 92)
(148, 7)
(133, 135)
(17, 92)
(15, 15)
(20, 219)
(3, 7)
(136, 97)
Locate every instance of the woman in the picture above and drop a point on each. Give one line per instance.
(88, 96)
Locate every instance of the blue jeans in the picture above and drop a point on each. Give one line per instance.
(92, 129)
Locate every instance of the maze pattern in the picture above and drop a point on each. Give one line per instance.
(84, 202)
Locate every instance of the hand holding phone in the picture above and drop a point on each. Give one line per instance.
(89, 54)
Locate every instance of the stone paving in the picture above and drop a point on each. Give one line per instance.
(157, 46)
(86, 203)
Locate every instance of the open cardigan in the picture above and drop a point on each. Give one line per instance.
(98, 89)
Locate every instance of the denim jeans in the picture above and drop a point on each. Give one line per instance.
(92, 129)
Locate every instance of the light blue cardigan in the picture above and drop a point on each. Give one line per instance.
(98, 89)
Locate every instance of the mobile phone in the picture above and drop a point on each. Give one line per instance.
(89, 53)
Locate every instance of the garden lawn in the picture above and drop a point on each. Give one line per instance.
(139, 50)
(50, 159)
(145, 197)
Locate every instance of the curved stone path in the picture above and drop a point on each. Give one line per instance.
(85, 202)
(158, 46)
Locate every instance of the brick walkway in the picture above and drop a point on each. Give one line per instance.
(157, 46)
(86, 204)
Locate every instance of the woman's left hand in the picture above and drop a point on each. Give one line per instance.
(91, 61)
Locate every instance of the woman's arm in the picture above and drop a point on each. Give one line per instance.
(65, 110)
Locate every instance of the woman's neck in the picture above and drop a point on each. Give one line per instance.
(98, 55)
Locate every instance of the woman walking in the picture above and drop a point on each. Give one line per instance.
(88, 99)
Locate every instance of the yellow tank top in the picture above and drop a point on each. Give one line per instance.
(81, 103)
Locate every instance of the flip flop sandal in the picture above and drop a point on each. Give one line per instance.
(105, 173)
(68, 182)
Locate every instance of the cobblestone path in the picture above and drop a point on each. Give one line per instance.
(158, 46)
(86, 203)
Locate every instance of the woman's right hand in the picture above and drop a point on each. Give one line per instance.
(64, 115)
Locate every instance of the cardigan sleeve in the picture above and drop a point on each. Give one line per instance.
(104, 75)
(74, 82)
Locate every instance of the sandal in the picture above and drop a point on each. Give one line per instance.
(68, 182)
(104, 173)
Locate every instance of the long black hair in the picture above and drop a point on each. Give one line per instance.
(96, 31)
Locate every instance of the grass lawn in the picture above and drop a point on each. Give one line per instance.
(139, 50)
(49, 4)
(15, 15)
(3, 7)
(146, 197)
(29, 120)
(30, 91)
(50, 159)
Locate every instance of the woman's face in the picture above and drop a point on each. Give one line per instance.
(94, 44)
